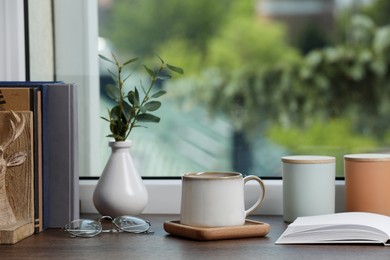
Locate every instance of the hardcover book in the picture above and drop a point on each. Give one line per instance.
(339, 228)
(60, 136)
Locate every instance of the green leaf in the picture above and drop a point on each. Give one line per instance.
(140, 126)
(113, 92)
(113, 76)
(158, 56)
(128, 76)
(105, 119)
(115, 59)
(130, 97)
(175, 69)
(116, 113)
(130, 61)
(148, 118)
(152, 105)
(133, 97)
(164, 77)
(143, 89)
(106, 59)
(136, 95)
(143, 109)
(159, 94)
(127, 111)
(151, 72)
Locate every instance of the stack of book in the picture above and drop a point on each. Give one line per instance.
(53, 109)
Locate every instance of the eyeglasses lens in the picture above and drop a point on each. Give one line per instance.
(131, 224)
(84, 228)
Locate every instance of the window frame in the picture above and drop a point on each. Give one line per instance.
(165, 196)
(77, 20)
(12, 46)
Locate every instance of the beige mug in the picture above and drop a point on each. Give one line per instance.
(216, 199)
(367, 180)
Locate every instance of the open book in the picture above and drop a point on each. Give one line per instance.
(349, 227)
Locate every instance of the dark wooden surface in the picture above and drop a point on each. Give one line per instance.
(56, 244)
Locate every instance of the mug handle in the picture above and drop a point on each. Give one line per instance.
(261, 198)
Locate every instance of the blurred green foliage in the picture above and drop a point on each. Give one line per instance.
(141, 26)
(335, 137)
(241, 66)
(379, 11)
(349, 80)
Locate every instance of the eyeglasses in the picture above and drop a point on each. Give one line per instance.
(91, 228)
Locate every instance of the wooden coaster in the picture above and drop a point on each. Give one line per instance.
(249, 229)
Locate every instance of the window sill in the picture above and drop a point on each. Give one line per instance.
(164, 196)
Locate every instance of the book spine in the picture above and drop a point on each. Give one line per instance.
(37, 125)
(61, 146)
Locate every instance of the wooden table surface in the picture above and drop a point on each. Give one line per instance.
(57, 244)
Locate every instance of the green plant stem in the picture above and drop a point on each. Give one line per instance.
(146, 97)
(120, 85)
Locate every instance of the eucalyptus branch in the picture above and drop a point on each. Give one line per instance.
(124, 116)
(154, 78)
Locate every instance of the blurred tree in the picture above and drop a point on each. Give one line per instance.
(350, 80)
(376, 10)
(230, 77)
(379, 11)
(242, 66)
(226, 78)
(140, 26)
(311, 38)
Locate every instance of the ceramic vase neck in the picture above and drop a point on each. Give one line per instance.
(120, 145)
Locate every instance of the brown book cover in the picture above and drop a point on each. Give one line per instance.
(29, 99)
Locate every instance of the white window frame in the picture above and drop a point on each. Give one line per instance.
(164, 195)
(12, 48)
(76, 29)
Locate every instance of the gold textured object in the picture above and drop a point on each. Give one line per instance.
(16, 176)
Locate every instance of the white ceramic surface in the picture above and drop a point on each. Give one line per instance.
(216, 199)
(308, 186)
(120, 190)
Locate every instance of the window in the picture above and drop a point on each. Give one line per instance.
(232, 58)
(78, 32)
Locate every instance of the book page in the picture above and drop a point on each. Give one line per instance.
(376, 221)
(350, 227)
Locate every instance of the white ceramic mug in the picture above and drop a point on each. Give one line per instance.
(216, 199)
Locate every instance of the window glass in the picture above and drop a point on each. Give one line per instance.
(262, 79)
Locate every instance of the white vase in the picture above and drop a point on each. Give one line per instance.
(120, 190)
